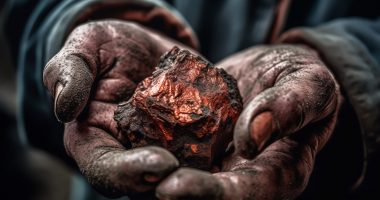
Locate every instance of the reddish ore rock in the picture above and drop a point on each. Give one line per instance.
(187, 106)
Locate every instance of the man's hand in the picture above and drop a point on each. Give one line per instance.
(291, 101)
(99, 66)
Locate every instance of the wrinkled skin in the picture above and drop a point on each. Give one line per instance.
(99, 66)
(291, 102)
(290, 99)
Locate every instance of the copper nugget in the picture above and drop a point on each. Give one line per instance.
(187, 106)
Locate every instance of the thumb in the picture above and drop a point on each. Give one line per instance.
(301, 98)
(69, 80)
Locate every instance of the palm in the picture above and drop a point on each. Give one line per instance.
(99, 67)
(287, 118)
(125, 59)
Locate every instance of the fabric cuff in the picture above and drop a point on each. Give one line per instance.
(153, 14)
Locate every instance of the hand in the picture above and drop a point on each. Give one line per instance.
(291, 101)
(98, 67)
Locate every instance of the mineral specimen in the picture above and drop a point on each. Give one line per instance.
(187, 106)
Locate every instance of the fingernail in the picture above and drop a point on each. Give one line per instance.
(261, 129)
(151, 178)
(230, 148)
(57, 91)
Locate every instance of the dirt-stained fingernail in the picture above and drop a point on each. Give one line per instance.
(151, 178)
(262, 128)
(57, 91)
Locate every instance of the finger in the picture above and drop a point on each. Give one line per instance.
(69, 80)
(281, 171)
(298, 97)
(187, 183)
(69, 75)
(110, 168)
(114, 49)
(91, 50)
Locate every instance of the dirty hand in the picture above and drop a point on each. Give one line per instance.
(98, 67)
(291, 101)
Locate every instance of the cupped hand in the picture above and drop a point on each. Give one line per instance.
(291, 102)
(99, 66)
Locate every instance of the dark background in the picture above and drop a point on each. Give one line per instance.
(37, 168)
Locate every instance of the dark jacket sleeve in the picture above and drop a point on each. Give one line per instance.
(44, 35)
(351, 49)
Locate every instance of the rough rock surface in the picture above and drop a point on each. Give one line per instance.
(187, 106)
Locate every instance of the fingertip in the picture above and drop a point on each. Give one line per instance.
(71, 82)
(254, 137)
(262, 129)
(158, 164)
(187, 183)
(243, 142)
(162, 156)
(70, 102)
(64, 113)
(62, 116)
